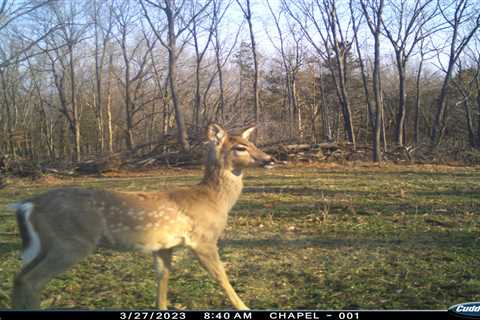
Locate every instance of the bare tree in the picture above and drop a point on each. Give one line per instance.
(418, 91)
(9, 87)
(135, 63)
(18, 99)
(217, 15)
(177, 23)
(247, 14)
(10, 13)
(222, 53)
(356, 22)
(335, 50)
(197, 24)
(465, 81)
(373, 11)
(102, 37)
(291, 63)
(60, 49)
(43, 107)
(463, 21)
(161, 82)
(405, 28)
(108, 105)
(476, 63)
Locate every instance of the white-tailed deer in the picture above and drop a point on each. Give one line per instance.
(62, 226)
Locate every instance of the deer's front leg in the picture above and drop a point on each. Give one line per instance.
(162, 261)
(210, 260)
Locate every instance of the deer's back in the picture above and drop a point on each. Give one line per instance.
(146, 221)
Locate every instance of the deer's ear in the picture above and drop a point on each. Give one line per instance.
(247, 132)
(216, 133)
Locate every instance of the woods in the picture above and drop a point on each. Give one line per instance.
(82, 80)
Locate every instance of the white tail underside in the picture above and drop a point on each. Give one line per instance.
(33, 248)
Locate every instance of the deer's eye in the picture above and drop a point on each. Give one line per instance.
(240, 148)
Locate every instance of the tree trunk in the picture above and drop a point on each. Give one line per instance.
(221, 106)
(384, 131)
(341, 53)
(75, 113)
(128, 112)
(327, 130)
(400, 129)
(197, 102)
(471, 132)
(197, 98)
(199, 54)
(128, 134)
(98, 80)
(368, 101)
(256, 102)
(109, 106)
(220, 112)
(344, 101)
(477, 83)
(416, 130)
(377, 88)
(438, 125)
(7, 104)
(172, 71)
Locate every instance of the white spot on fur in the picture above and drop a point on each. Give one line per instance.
(33, 249)
(155, 213)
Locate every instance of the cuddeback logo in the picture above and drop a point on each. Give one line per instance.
(469, 310)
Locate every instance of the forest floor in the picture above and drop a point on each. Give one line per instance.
(301, 237)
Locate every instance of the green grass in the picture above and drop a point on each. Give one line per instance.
(316, 237)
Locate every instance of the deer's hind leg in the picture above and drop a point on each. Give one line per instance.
(162, 261)
(29, 282)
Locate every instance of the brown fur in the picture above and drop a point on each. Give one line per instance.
(72, 222)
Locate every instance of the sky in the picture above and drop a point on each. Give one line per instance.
(265, 31)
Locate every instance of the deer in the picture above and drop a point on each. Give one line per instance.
(62, 226)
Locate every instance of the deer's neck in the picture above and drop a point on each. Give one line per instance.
(225, 184)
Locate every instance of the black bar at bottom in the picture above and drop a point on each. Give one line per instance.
(228, 315)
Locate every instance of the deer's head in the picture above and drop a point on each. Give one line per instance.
(234, 151)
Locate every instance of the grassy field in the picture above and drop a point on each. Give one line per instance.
(316, 237)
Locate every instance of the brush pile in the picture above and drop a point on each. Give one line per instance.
(306, 152)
